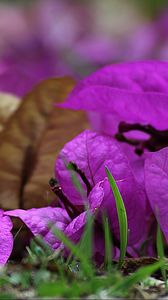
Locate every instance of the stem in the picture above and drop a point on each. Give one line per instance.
(70, 208)
(74, 167)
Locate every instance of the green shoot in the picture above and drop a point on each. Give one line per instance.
(122, 216)
(160, 251)
(108, 244)
(86, 242)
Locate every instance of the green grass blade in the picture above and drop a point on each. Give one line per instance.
(108, 244)
(160, 251)
(75, 250)
(127, 283)
(86, 243)
(122, 216)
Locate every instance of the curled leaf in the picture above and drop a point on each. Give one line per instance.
(20, 138)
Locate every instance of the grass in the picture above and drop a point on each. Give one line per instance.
(80, 278)
(160, 251)
(108, 244)
(122, 217)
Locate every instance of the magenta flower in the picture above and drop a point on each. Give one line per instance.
(121, 100)
(91, 152)
(130, 103)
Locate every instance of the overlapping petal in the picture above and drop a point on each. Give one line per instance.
(75, 228)
(130, 92)
(92, 152)
(38, 220)
(156, 181)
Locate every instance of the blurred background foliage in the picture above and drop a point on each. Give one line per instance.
(44, 38)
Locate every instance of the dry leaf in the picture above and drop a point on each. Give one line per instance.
(63, 126)
(8, 105)
(21, 136)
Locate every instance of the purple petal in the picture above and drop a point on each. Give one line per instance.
(38, 220)
(130, 92)
(75, 228)
(92, 152)
(156, 181)
(6, 238)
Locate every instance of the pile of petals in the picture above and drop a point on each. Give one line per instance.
(127, 105)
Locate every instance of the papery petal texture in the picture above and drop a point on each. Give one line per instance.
(130, 92)
(6, 238)
(156, 182)
(75, 228)
(91, 152)
(39, 219)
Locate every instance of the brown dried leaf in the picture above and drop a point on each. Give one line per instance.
(8, 105)
(63, 126)
(21, 136)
